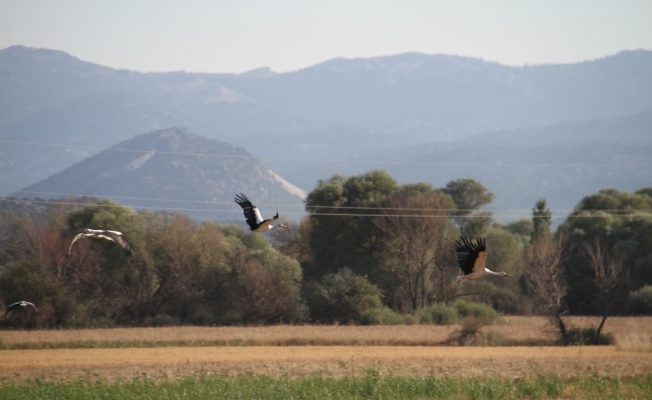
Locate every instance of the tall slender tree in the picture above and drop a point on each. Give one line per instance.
(541, 220)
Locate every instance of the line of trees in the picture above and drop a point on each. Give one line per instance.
(181, 272)
(393, 259)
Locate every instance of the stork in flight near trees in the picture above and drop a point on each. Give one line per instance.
(255, 221)
(471, 258)
(113, 236)
(23, 304)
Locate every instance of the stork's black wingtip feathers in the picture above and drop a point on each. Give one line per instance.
(241, 197)
(466, 242)
(242, 200)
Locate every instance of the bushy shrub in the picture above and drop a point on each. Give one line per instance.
(503, 295)
(231, 318)
(341, 297)
(640, 301)
(202, 317)
(481, 312)
(381, 316)
(439, 314)
(161, 320)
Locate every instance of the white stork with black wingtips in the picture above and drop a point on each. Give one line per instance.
(255, 221)
(471, 257)
(114, 236)
(23, 304)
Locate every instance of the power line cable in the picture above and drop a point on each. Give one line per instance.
(296, 213)
(308, 206)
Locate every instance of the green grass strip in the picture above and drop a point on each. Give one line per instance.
(370, 386)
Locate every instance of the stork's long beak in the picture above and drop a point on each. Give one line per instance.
(508, 275)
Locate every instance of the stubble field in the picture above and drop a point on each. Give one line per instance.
(336, 351)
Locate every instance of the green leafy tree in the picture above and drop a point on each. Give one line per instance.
(622, 223)
(39, 240)
(415, 243)
(176, 262)
(351, 242)
(128, 286)
(523, 227)
(469, 196)
(25, 280)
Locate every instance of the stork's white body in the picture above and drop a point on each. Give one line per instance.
(477, 274)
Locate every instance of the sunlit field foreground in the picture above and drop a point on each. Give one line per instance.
(338, 351)
(336, 361)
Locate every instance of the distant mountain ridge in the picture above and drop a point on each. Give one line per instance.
(454, 96)
(346, 113)
(174, 169)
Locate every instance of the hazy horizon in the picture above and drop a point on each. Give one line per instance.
(232, 37)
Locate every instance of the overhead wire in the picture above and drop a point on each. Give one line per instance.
(498, 211)
(493, 210)
(447, 215)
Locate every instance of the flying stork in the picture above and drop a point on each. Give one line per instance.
(471, 258)
(255, 221)
(23, 304)
(113, 236)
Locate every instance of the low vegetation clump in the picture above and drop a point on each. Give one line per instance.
(439, 314)
(381, 316)
(640, 301)
(370, 386)
(480, 311)
(586, 337)
(342, 297)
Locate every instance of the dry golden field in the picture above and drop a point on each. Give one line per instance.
(329, 360)
(511, 331)
(331, 350)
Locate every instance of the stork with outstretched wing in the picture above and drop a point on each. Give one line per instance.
(471, 258)
(113, 236)
(22, 304)
(255, 221)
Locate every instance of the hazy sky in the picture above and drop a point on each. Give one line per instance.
(237, 36)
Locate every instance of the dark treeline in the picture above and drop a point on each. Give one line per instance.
(369, 251)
